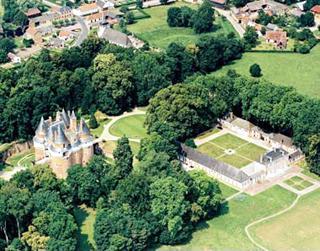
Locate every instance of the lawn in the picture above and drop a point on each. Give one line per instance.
(226, 190)
(85, 218)
(99, 130)
(226, 232)
(289, 69)
(24, 159)
(297, 229)
(156, 31)
(109, 146)
(244, 154)
(298, 183)
(131, 126)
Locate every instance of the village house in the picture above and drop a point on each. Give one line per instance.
(63, 142)
(316, 11)
(62, 13)
(115, 37)
(33, 12)
(278, 38)
(14, 58)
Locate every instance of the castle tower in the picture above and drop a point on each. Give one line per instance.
(73, 121)
(39, 140)
(65, 118)
(85, 138)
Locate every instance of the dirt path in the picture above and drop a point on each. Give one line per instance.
(294, 203)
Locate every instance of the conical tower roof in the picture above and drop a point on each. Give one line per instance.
(73, 115)
(41, 127)
(65, 117)
(84, 129)
(61, 138)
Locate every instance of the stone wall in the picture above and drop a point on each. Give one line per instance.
(17, 147)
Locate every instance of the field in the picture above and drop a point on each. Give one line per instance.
(156, 31)
(289, 69)
(109, 146)
(131, 126)
(241, 153)
(85, 218)
(226, 232)
(23, 159)
(297, 229)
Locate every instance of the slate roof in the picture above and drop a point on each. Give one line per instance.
(218, 166)
(273, 155)
(116, 37)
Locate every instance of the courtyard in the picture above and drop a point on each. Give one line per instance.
(232, 150)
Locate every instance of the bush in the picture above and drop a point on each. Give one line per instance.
(93, 123)
(255, 70)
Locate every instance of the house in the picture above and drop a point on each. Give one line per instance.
(87, 9)
(33, 33)
(33, 12)
(219, 3)
(65, 35)
(94, 20)
(56, 43)
(272, 27)
(105, 5)
(63, 13)
(115, 37)
(278, 38)
(14, 58)
(316, 11)
(269, 6)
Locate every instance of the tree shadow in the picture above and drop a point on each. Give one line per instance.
(83, 243)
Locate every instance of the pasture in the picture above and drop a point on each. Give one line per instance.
(156, 31)
(289, 69)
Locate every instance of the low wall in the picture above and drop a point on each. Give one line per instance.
(16, 147)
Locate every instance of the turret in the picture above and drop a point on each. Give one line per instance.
(65, 117)
(41, 130)
(84, 131)
(73, 121)
(60, 139)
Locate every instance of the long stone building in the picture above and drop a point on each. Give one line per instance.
(63, 142)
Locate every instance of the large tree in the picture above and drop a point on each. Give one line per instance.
(313, 156)
(123, 158)
(112, 81)
(203, 18)
(182, 111)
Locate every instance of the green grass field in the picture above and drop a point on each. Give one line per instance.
(156, 31)
(98, 131)
(109, 146)
(85, 218)
(297, 229)
(131, 126)
(24, 159)
(226, 232)
(289, 69)
(298, 183)
(245, 152)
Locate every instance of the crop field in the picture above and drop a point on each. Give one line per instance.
(232, 150)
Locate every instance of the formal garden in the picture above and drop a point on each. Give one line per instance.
(232, 150)
(157, 32)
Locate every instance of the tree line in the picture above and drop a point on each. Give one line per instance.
(100, 76)
(182, 111)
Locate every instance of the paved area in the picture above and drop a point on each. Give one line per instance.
(84, 31)
(234, 23)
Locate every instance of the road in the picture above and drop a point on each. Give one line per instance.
(84, 31)
(50, 4)
(234, 23)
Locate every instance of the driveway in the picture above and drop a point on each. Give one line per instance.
(234, 23)
(84, 31)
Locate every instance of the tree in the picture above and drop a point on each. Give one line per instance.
(123, 158)
(313, 154)
(173, 16)
(34, 239)
(112, 82)
(139, 4)
(163, 2)
(182, 111)
(168, 204)
(203, 19)
(93, 123)
(250, 37)
(239, 3)
(151, 73)
(307, 19)
(129, 17)
(255, 70)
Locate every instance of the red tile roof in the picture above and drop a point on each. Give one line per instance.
(316, 9)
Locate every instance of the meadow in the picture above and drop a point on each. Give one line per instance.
(156, 31)
(226, 232)
(300, 71)
(297, 229)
